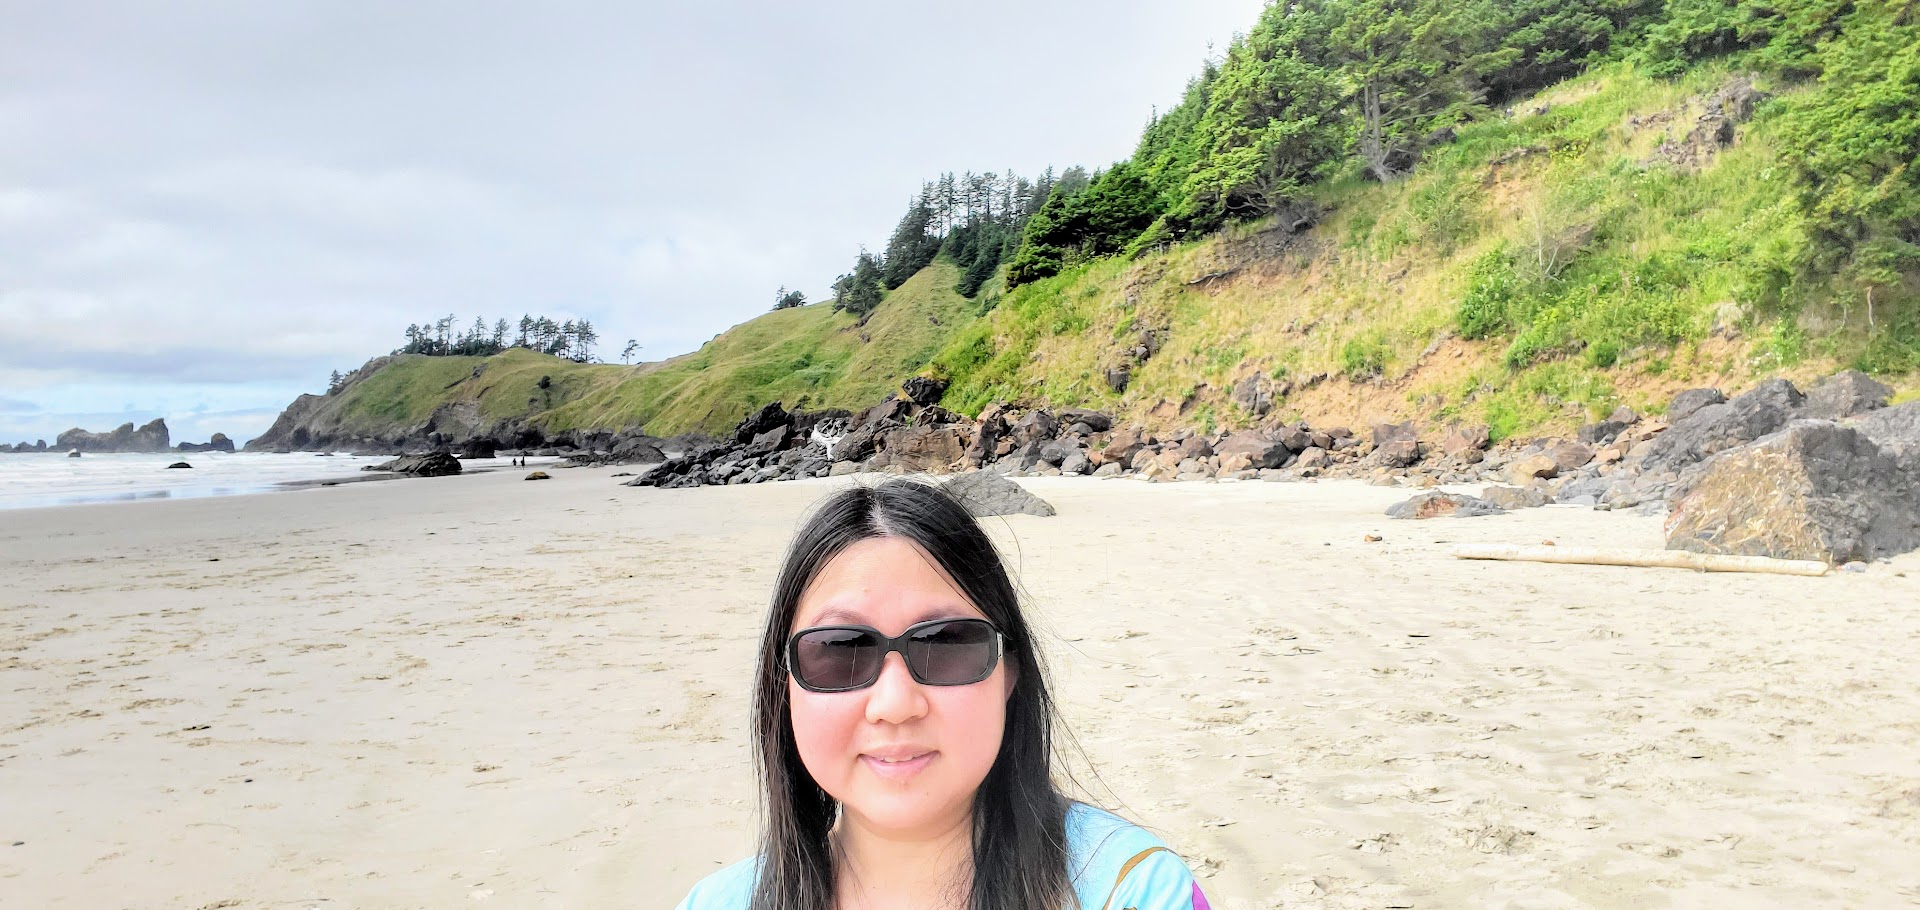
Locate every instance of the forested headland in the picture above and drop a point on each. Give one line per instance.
(1520, 213)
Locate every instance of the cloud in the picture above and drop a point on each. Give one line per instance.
(234, 194)
(12, 405)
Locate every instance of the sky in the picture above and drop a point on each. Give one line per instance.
(207, 208)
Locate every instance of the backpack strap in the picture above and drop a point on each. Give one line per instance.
(1128, 867)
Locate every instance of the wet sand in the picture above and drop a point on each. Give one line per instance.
(478, 690)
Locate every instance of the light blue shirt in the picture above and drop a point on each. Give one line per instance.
(1099, 843)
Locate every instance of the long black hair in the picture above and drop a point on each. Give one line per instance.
(1019, 815)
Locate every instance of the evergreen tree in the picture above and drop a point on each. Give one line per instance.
(913, 245)
(860, 291)
(784, 299)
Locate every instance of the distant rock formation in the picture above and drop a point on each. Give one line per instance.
(219, 443)
(150, 438)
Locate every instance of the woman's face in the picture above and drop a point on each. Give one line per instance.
(902, 758)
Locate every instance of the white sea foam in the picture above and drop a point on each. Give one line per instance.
(53, 479)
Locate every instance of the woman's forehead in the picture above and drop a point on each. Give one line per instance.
(883, 581)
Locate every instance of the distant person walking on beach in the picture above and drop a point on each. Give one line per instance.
(904, 734)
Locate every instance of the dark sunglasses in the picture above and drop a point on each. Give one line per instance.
(939, 652)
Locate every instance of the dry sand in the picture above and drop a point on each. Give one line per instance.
(476, 690)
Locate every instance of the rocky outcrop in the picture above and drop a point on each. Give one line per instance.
(1443, 505)
(985, 493)
(436, 464)
(152, 437)
(219, 443)
(1815, 490)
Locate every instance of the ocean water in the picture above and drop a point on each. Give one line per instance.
(53, 479)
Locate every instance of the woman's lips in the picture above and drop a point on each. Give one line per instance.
(901, 767)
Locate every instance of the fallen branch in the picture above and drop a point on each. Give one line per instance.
(1622, 556)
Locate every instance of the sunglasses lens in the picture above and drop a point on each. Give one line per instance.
(952, 653)
(836, 658)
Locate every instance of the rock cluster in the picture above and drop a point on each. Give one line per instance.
(153, 437)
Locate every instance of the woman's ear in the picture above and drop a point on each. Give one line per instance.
(1013, 676)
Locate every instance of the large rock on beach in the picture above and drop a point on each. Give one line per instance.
(928, 449)
(1396, 445)
(1815, 490)
(436, 464)
(1443, 505)
(985, 493)
(1260, 450)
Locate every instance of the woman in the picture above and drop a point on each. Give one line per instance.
(904, 734)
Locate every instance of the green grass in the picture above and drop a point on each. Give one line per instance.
(805, 356)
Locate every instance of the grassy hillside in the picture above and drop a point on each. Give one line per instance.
(811, 356)
(1539, 270)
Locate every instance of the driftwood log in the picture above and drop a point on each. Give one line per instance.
(1626, 556)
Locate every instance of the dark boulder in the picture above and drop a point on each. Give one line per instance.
(1716, 428)
(179, 464)
(861, 443)
(768, 442)
(1096, 421)
(1815, 490)
(1688, 403)
(479, 447)
(1253, 395)
(1123, 446)
(436, 464)
(937, 416)
(985, 493)
(1034, 425)
(1601, 433)
(1296, 438)
(986, 438)
(632, 449)
(923, 391)
(758, 422)
(893, 408)
(1468, 443)
(1895, 430)
(1845, 394)
(1396, 445)
(1570, 456)
(1194, 447)
(1262, 451)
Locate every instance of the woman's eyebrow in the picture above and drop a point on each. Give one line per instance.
(846, 616)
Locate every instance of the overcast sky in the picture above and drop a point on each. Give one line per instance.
(207, 207)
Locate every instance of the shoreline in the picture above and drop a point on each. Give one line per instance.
(536, 694)
(130, 477)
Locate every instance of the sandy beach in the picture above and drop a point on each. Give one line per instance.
(481, 691)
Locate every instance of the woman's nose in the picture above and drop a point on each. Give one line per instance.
(895, 697)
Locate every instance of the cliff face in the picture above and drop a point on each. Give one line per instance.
(411, 402)
(153, 437)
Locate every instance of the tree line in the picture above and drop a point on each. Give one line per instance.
(573, 339)
(975, 220)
